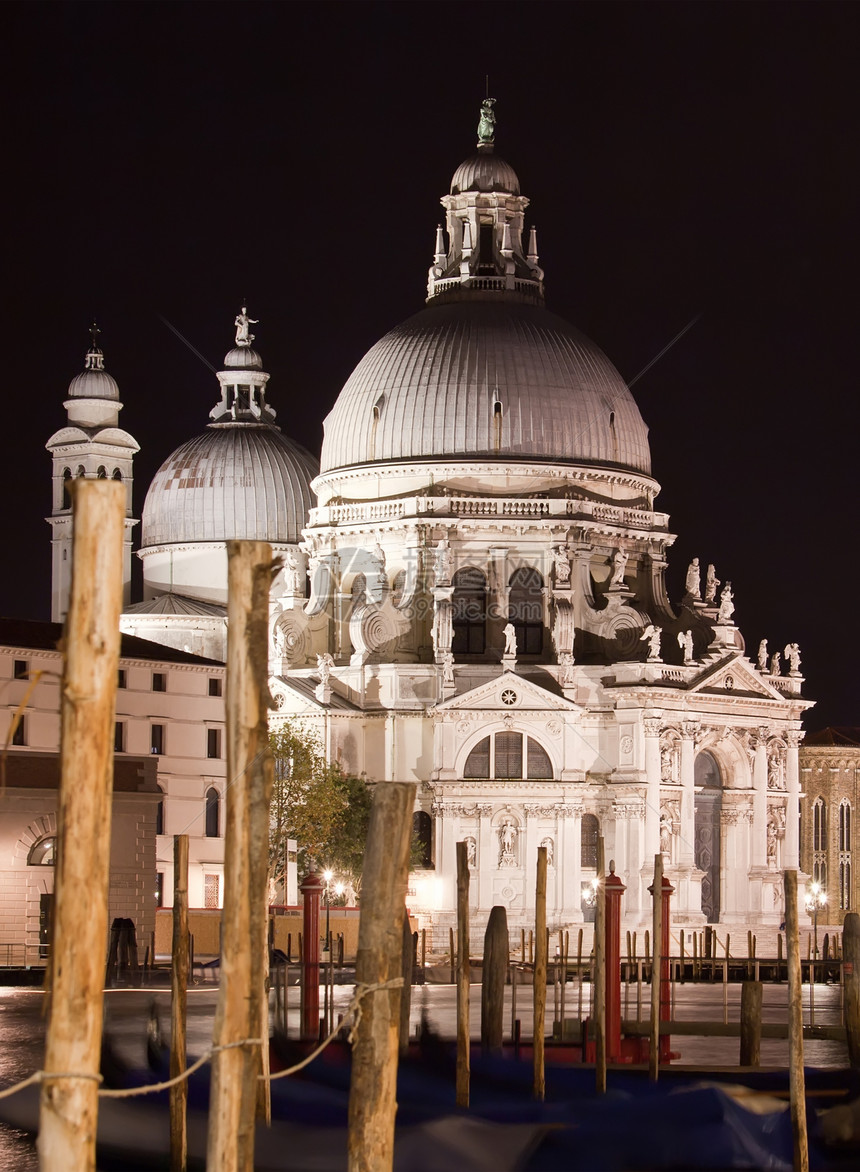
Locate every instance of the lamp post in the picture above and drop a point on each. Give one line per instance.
(816, 898)
(327, 876)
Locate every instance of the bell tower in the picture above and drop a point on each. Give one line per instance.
(93, 446)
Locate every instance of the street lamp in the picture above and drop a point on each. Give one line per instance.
(816, 898)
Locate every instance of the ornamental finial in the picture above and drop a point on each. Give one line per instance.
(243, 335)
(487, 123)
(94, 336)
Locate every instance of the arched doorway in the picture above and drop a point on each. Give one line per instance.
(709, 800)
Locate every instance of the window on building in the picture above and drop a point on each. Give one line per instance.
(526, 610)
(119, 736)
(122, 678)
(503, 756)
(211, 890)
(46, 923)
(159, 889)
(156, 738)
(21, 669)
(590, 835)
(422, 837)
(469, 612)
(67, 480)
(19, 736)
(42, 852)
(216, 686)
(819, 842)
(159, 681)
(845, 859)
(159, 818)
(213, 813)
(213, 742)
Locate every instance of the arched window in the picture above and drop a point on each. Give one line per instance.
(359, 590)
(469, 612)
(117, 475)
(42, 852)
(526, 610)
(503, 757)
(102, 472)
(590, 835)
(213, 813)
(819, 842)
(422, 837)
(845, 855)
(67, 496)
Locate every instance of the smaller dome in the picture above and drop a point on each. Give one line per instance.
(93, 384)
(243, 358)
(485, 172)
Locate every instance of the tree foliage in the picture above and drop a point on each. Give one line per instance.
(325, 809)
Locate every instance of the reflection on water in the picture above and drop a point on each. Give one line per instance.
(127, 1013)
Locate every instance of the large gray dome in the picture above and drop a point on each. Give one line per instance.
(429, 390)
(236, 480)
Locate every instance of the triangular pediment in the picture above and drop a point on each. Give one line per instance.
(734, 674)
(506, 693)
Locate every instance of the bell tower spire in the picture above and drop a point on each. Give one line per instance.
(485, 212)
(91, 445)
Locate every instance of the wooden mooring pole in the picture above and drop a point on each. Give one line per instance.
(750, 1047)
(178, 1005)
(851, 979)
(463, 974)
(91, 644)
(373, 1082)
(407, 966)
(600, 973)
(493, 976)
(540, 976)
(242, 1004)
(797, 1080)
(656, 965)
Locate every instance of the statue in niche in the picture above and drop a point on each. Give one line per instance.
(665, 834)
(619, 564)
(292, 574)
(771, 845)
(653, 635)
(471, 853)
(775, 666)
(487, 122)
(566, 673)
(727, 606)
(694, 579)
(685, 642)
(510, 633)
(442, 565)
(561, 564)
(774, 772)
(792, 654)
(243, 335)
(447, 668)
(379, 556)
(508, 834)
(548, 844)
(668, 757)
(711, 584)
(762, 656)
(325, 662)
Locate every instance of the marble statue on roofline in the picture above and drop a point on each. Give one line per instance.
(619, 565)
(243, 335)
(711, 584)
(694, 579)
(762, 656)
(510, 633)
(792, 654)
(487, 122)
(727, 606)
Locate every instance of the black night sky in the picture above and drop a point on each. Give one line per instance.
(170, 159)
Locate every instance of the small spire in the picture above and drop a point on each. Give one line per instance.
(506, 247)
(533, 251)
(440, 255)
(487, 124)
(95, 358)
(467, 236)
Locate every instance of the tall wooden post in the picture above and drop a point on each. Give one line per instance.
(311, 888)
(797, 1079)
(250, 771)
(750, 1048)
(614, 891)
(851, 979)
(463, 974)
(178, 1005)
(656, 966)
(373, 1084)
(91, 643)
(407, 961)
(493, 976)
(600, 972)
(540, 975)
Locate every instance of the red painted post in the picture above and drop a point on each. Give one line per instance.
(614, 889)
(312, 888)
(665, 988)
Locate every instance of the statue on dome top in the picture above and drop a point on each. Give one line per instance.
(487, 123)
(243, 335)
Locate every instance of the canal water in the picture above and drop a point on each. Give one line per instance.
(22, 1027)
